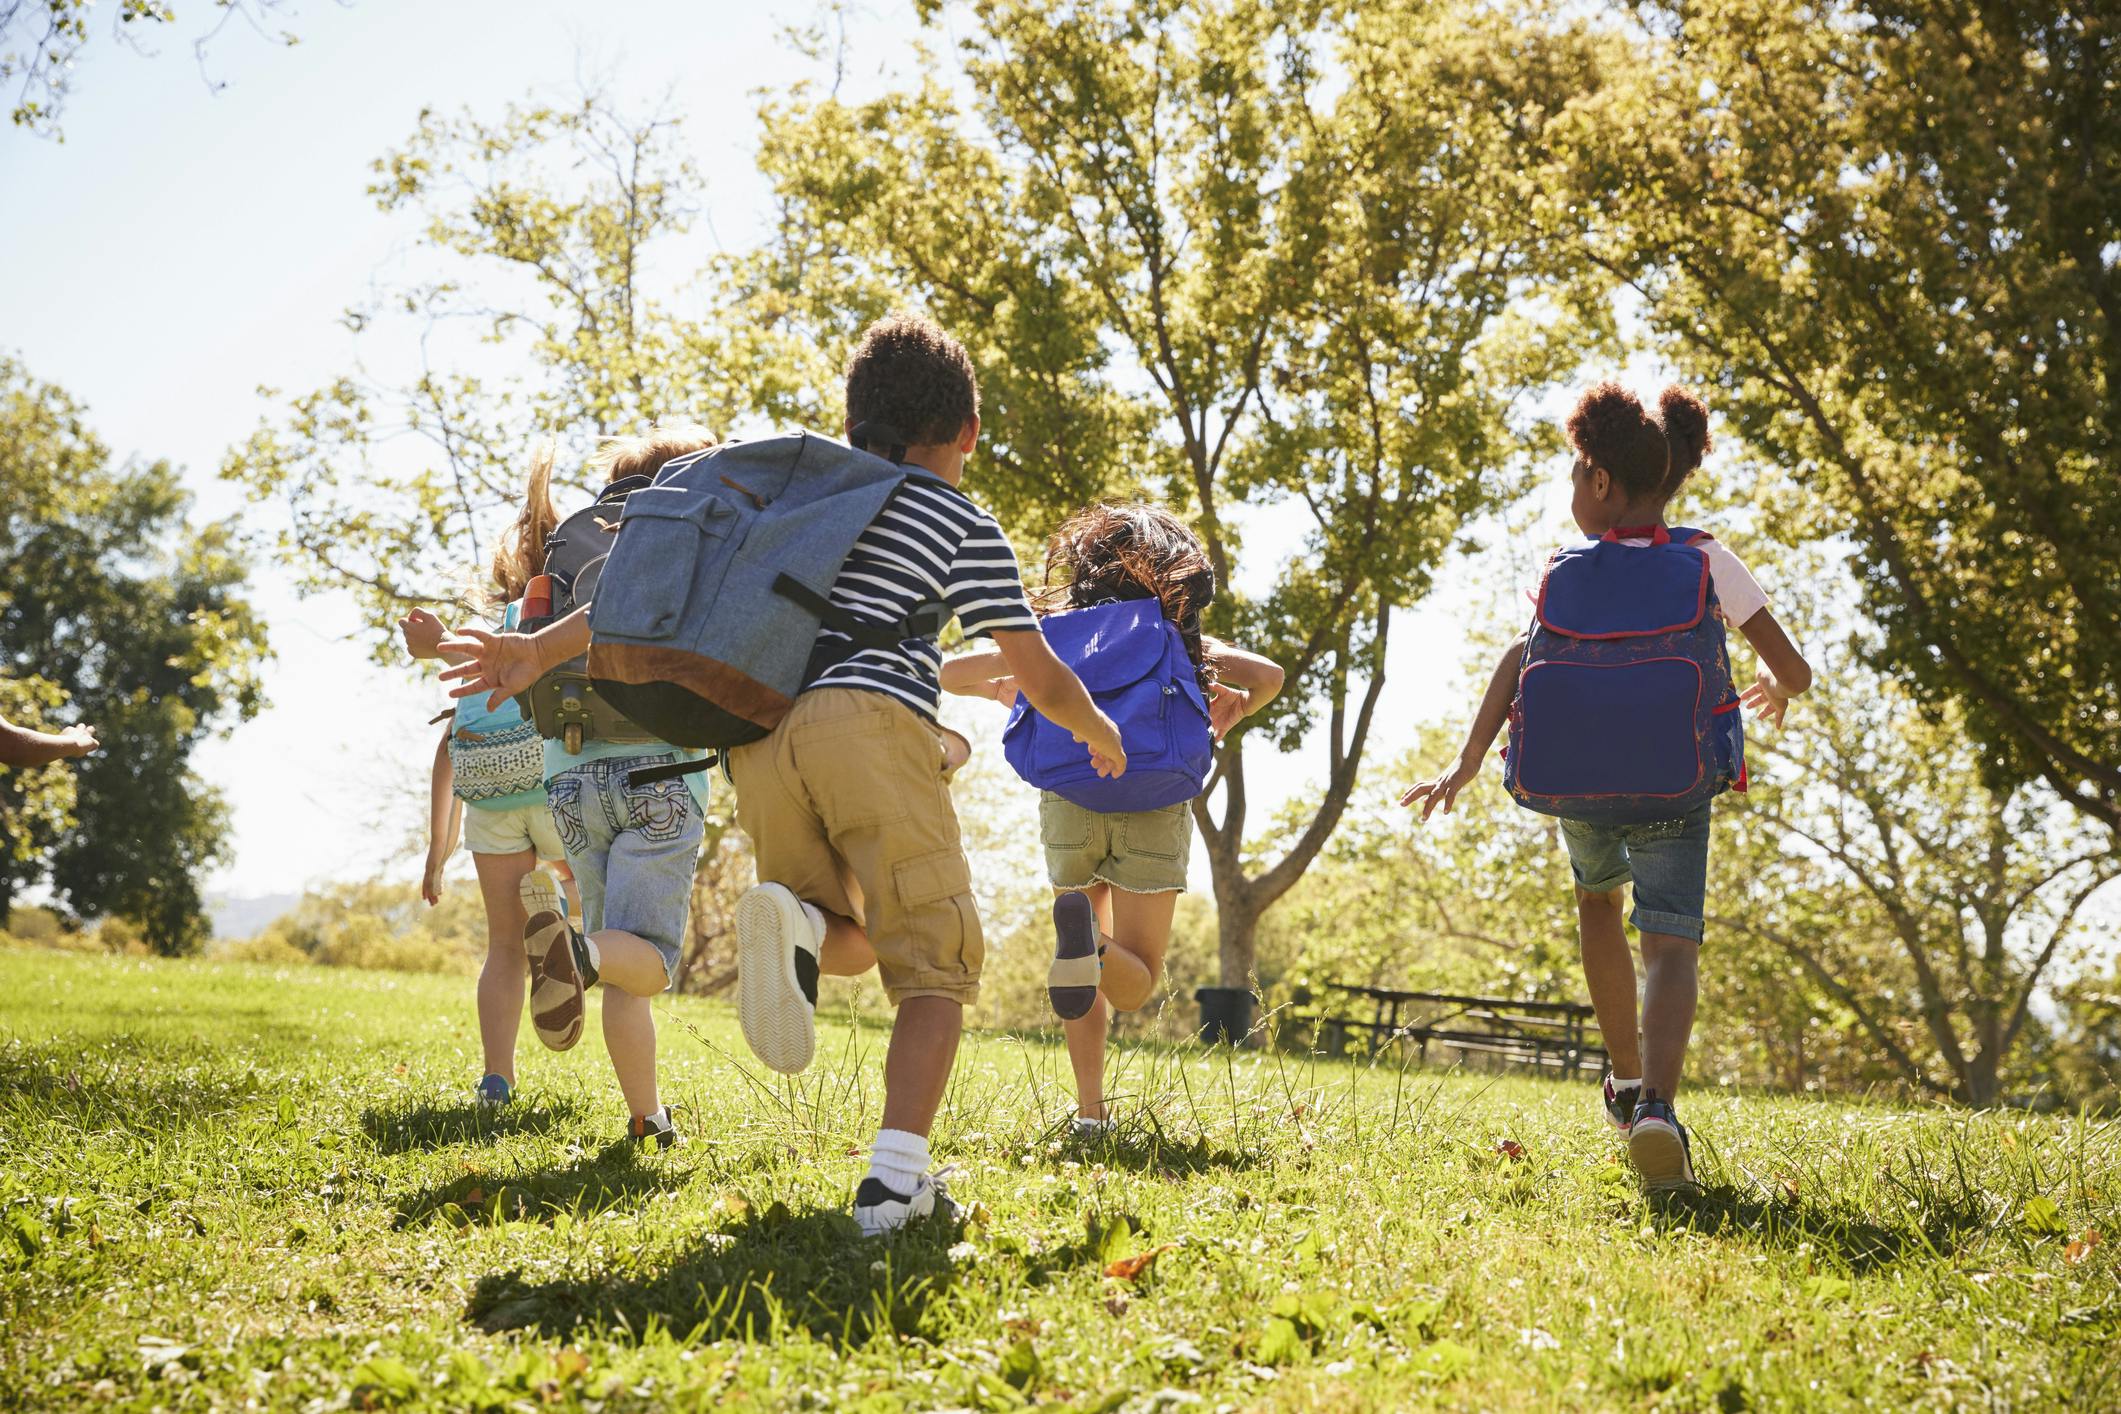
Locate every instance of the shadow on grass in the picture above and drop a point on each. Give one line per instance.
(429, 1124)
(1841, 1230)
(618, 1175)
(1143, 1147)
(123, 1083)
(768, 1274)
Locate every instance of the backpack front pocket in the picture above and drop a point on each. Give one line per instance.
(671, 537)
(1609, 729)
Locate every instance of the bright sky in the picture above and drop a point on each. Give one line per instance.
(183, 247)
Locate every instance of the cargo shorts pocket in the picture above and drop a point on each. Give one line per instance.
(940, 918)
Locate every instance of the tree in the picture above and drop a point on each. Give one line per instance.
(1925, 903)
(135, 618)
(41, 42)
(1885, 231)
(36, 806)
(395, 489)
(1276, 264)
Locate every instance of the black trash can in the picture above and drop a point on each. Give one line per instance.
(1225, 1014)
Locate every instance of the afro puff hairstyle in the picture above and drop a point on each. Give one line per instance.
(1610, 426)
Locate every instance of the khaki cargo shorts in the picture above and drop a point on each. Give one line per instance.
(846, 805)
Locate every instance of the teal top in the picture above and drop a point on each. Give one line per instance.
(472, 715)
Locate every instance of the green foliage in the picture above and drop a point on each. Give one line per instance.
(224, 1185)
(1189, 266)
(134, 618)
(41, 43)
(36, 806)
(376, 925)
(1884, 233)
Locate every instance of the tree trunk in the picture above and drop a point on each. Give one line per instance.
(1237, 938)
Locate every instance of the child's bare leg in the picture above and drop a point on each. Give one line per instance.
(629, 1035)
(846, 951)
(1670, 987)
(917, 1065)
(1609, 974)
(505, 977)
(568, 887)
(1086, 1057)
(630, 962)
(1138, 932)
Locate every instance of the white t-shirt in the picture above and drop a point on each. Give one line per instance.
(1738, 594)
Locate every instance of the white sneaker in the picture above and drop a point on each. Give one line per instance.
(776, 957)
(879, 1210)
(1089, 1131)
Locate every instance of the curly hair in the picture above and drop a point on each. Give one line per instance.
(1610, 427)
(911, 383)
(1685, 419)
(1115, 550)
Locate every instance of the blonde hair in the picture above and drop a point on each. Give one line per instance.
(520, 555)
(644, 453)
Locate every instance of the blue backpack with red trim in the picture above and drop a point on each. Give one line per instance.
(1625, 710)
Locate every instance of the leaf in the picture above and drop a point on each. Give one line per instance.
(1021, 1366)
(2040, 1215)
(1131, 1268)
(1280, 1343)
(570, 1364)
(1509, 1149)
(1444, 1360)
(2082, 1247)
(1824, 1290)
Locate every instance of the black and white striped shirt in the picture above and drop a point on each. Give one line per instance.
(930, 544)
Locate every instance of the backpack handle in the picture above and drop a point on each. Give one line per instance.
(1656, 534)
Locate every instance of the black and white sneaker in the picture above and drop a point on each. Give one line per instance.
(1619, 1105)
(1071, 981)
(776, 957)
(1659, 1148)
(879, 1210)
(659, 1129)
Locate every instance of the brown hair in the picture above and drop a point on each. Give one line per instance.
(644, 453)
(1610, 427)
(1685, 420)
(910, 383)
(1125, 550)
(521, 551)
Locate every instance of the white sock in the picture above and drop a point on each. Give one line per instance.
(816, 916)
(897, 1159)
(1620, 1085)
(595, 954)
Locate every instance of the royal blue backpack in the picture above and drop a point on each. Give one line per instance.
(1133, 660)
(1625, 711)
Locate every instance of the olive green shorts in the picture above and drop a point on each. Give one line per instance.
(1141, 851)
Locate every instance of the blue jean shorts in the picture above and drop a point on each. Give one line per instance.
(632, 849)
(1668, 860)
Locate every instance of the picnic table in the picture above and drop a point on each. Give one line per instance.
(1550, 1035)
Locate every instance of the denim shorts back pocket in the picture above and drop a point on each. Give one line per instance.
(1062, 824)
(564, 796)
(659, 810)
(1164, 834)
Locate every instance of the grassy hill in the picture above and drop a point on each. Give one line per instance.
(227, 1187)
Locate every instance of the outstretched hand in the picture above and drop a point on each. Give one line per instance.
(1444, 789)
(423, 633)
(1766, 697)
(1226, 708)
(77, 740)
(498, 664)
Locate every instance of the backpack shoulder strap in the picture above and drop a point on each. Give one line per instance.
(1687, 535)
(925, 622)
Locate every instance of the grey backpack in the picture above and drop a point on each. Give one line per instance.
(708, 609)
(565, 704)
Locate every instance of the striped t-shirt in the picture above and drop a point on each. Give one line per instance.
(930, 544)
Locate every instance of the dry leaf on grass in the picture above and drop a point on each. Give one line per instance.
(1131, 1268)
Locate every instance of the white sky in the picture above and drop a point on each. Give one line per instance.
(183, 247)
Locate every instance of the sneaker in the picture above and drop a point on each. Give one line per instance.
(659, 1129)
(1071, 982)
(494, 1091)
(560, 970)
(879, 1210)
(1659, 1148)
(776, 958)
(1091, 1131)
(1620, 1105)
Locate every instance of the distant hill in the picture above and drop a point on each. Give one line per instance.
(244, 917)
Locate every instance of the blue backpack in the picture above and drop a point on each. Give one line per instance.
(1133, 660)
(1625, 711)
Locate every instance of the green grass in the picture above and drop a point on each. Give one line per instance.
(225, 1187)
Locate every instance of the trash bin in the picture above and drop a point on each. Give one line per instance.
(1225, 1014)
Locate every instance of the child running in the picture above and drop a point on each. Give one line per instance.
(632, 848)
(1628, 466)
(489, 775)
(1118, 875)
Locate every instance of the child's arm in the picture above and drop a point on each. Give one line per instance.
(1060, 697)
(982, 674)
(23, 746)
(1487, 725)
(1783, 672)
(1244, 683)
(441, 820)
(423, 634)
(504, 664)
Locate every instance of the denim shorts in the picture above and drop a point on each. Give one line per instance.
(632, 848)
(1668, 860)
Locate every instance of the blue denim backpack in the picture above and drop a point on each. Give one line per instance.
(709, 605)
(1133, 660)
(1625, 711)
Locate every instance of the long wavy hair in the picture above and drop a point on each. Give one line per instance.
(1111, 550)
(520, 554)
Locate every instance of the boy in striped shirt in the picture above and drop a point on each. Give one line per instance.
(846, 805)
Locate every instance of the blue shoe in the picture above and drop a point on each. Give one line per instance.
(1659, 1148)
(494, 1091)
(1619, 1105)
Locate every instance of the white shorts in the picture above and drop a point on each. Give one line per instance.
(511, 831)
